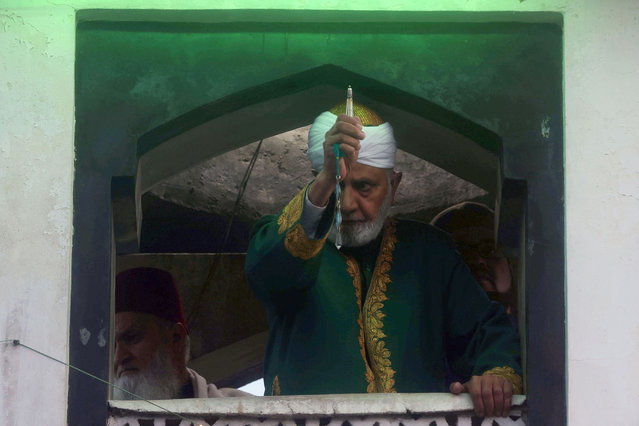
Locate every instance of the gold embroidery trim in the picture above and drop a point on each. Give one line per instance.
(275, 387)
(353, 270)
(379, 354)
(291, 212)
(298, 244)
(508, 374)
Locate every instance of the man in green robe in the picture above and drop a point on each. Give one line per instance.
(393, 308)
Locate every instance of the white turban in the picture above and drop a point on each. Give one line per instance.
(377, 148)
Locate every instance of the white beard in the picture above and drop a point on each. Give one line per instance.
(157, 381)
(361, 233)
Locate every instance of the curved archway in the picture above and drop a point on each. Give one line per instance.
(422, 128)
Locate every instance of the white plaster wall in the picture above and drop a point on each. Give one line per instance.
(602, 193)
(36, 176)
(602, 211)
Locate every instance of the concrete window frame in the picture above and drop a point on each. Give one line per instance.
(545, 309)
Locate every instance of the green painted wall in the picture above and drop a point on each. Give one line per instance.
(506, 77)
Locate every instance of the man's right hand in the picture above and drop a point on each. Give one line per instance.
(491, 395)
(347, 132)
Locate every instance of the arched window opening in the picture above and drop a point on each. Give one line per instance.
(460, 79)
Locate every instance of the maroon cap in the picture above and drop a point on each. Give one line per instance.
(149, 290)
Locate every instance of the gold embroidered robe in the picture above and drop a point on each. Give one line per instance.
(390, 322)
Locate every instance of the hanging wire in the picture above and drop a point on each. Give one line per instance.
(192, 316)
(17, 342)
(240, 194)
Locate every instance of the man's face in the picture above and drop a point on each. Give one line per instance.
(367, 194)
(137, 340)
(488, 265)
(144, 362)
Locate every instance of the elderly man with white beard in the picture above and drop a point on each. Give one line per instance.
(152, 343)
(388, 309)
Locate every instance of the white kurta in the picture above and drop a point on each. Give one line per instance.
(201, 389)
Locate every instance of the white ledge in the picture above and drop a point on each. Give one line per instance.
(310, 405)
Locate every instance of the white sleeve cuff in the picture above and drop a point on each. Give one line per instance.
(311, 216)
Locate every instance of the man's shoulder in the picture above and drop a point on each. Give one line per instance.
(263, 221)
(421, 231)
(203, 389)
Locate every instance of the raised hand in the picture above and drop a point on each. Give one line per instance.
(347, 133)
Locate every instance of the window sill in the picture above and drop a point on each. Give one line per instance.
(433, 409)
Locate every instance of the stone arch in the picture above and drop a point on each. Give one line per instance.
(422, 128)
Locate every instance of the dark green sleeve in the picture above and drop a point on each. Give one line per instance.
(480, 338)
(282, 261)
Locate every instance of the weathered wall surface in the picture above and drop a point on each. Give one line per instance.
(36, 173)
(283, 169)
(602, 211)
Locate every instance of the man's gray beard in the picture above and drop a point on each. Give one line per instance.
(158, 380)
(360, 233)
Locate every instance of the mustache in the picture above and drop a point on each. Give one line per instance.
(356, 233)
